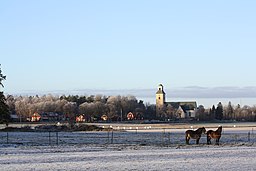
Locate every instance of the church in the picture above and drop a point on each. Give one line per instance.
(183, 110)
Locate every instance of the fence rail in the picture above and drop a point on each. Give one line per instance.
(150, 137)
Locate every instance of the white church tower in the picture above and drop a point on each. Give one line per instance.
(160, 99)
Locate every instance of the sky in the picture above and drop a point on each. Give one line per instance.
(65, 45)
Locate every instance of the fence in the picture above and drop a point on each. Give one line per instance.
(149, 137)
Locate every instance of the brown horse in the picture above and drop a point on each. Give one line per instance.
(194, 134)
(214, 135)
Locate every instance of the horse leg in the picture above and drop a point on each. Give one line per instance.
(187, 140)
(217, 141)
(208, 140)
(197, 141)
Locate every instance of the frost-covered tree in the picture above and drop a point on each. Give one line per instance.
(115, 109)
(21, 108)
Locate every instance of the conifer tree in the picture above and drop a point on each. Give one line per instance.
(4, 109)
(230, 111)
(219, 112)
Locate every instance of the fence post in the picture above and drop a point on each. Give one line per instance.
(249, 136)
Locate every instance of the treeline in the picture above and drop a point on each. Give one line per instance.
(116, 108)
(228, 112)
(92, 107)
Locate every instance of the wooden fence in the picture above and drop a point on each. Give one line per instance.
(149, 137)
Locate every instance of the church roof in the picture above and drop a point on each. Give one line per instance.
(184, 105)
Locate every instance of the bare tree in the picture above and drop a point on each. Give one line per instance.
(115, 107)
(87, 109)
(201, 114)
(22, 109)
(70, 109)
(228, 111)
(237, 112)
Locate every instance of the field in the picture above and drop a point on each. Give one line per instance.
(138, 147)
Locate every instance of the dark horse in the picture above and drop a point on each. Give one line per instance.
(194, 134)
(214, 135)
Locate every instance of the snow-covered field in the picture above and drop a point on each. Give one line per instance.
(147, 147)
(131, 157)
(129, 134)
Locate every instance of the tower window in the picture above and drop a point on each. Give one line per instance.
(159, 98)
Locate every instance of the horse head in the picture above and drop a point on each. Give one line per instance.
(203, 130)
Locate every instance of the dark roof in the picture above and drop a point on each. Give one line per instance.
(184, 105)
(173, 104)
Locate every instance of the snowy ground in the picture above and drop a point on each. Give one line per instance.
(145, 136)
(133, 157)
(158, 147)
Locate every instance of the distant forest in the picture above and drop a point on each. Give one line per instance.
(116, 108)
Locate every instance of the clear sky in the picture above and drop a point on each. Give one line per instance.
(132, 44)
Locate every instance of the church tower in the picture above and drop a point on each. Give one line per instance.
(160, 99)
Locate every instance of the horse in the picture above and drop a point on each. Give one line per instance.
(194, 134)
(214, 135)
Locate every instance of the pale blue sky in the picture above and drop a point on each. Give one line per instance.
(66, 45)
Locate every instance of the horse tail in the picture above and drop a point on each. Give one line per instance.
(186, 134)
(187, 137)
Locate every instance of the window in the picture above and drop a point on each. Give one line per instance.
(159, 98)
